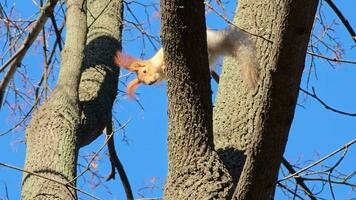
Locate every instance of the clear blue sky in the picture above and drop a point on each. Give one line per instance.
(315, 131)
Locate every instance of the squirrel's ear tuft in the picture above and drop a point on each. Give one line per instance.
(131, 88)
(123, 60)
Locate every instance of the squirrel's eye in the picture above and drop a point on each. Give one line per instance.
(144, 71)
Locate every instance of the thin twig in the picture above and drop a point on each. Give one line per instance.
(234, 25)
(49, 61)
(290, 190)
(90, 162)
(139, 26)
(6, 191)
(298, 180)
(49, 179)
(16, 59)
(343, 19)
(45, 62)
(342, 182)
(215, 76)
(97, 17)
(24, 118)
(324, 104)
(331, 59)
(347, 145)
(331, 169)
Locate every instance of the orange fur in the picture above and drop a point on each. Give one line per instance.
(146, 70)
(123, 60)
(231, 42)
(132, 64)
(131, 87)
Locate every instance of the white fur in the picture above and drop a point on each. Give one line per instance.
(231, 42)
(237, 44)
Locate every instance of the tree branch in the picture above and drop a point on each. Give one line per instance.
(16, 59)
(324, 104)
(347, 145)
(116, 163)
(57, 31)
(49, 179)
(298, 180)
(343, 19)
(331, 59)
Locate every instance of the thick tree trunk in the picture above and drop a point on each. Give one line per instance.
(251, 128)
(195, 171)
(51, 137)
(98, 85)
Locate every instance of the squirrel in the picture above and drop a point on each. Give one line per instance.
(231, 42)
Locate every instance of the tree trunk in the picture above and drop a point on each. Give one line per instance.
(98, 85)
(51, 137)
(251, 128)
(195, 170)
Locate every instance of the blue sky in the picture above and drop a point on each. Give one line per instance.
(315, 131)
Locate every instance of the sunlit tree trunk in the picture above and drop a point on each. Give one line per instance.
(51, 137)
(59, 128)
(251, 128)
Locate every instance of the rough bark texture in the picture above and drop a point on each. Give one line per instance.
(98, 85)
(195, 170)
(251, 128)
(51, 136)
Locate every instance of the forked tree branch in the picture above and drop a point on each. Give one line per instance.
(298, 180)
(297, 174)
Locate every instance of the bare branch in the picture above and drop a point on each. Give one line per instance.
(324, 104)
(343, 19)
(234, 25)
(331, 59)
(347, 145)
(115, 162)
(57, 31)
(49, 179)
(23, 118)
(298, 180)
(16, 59)
(290, 191)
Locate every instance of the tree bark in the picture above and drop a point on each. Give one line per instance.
(195, 170)
(98, 85)
(51, 136)
(251, 128)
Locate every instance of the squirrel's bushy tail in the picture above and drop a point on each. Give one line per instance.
(244, 51)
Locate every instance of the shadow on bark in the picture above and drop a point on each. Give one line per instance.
(46, 171)
(98, 87)
(234, 160)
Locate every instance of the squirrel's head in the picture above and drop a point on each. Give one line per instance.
(146, 73)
